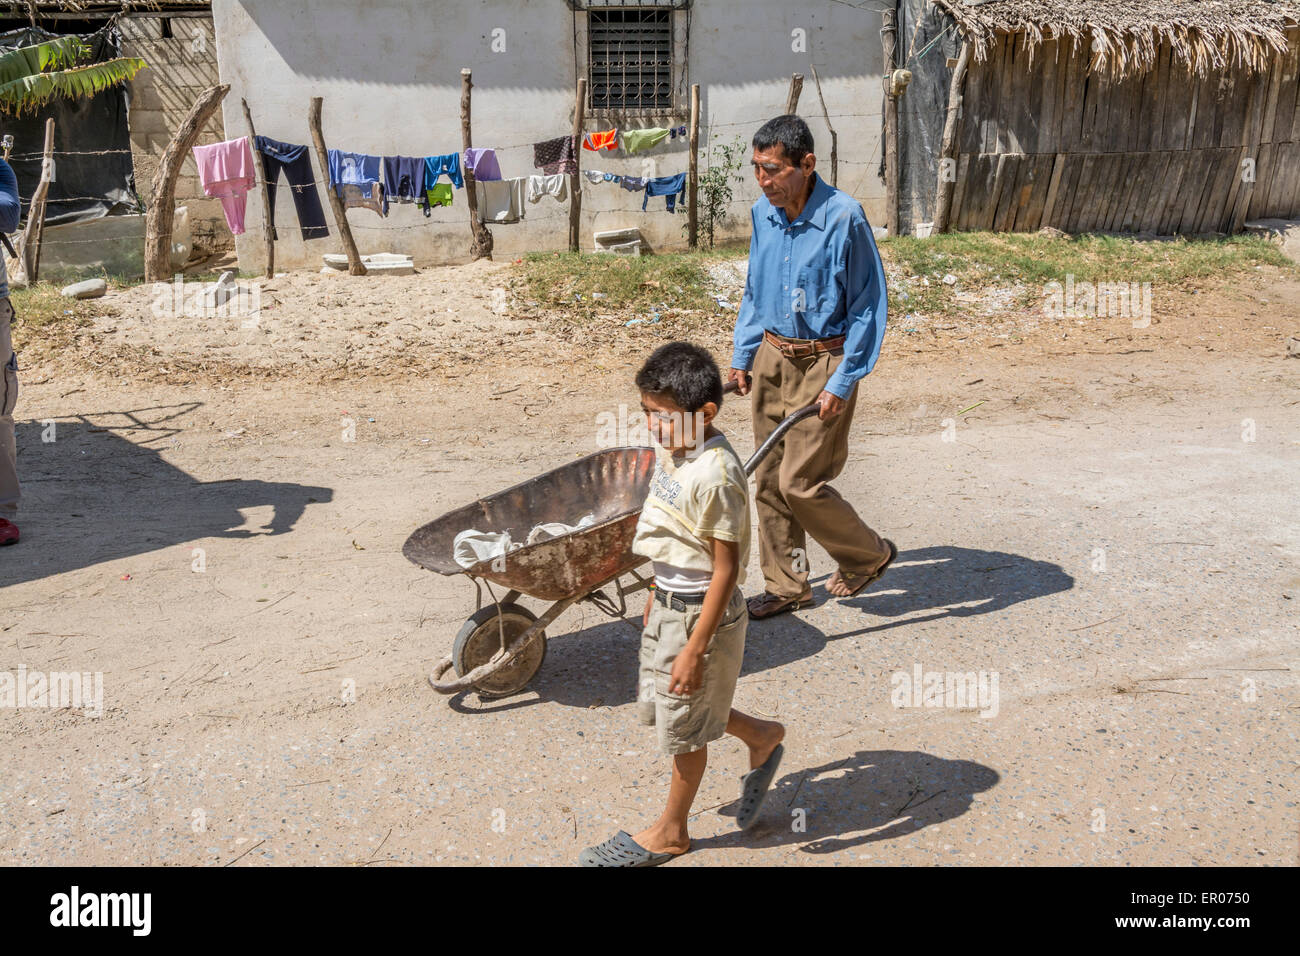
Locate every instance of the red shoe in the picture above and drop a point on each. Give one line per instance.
(8, 532)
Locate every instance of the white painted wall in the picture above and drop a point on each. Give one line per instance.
(389, 73)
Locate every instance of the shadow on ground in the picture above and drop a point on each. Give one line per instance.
(96, 488)
(870, 796)
(597, 666)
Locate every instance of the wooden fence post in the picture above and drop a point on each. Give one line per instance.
(162, 199)
(948, 145)
(481, 247)
(266, 196)
(36, 210)
(355, 266)
(796, 87)
(888, 36)
(575, 193)
(835, 150)
(692, 208)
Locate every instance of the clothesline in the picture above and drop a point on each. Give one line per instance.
(67, 152)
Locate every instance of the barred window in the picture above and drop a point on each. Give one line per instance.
(630, 59)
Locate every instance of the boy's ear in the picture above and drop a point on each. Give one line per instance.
(707, 411)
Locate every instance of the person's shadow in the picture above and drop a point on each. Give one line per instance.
(597, 665)
(870, 796)
(98, 492)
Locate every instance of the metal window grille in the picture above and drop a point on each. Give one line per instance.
(630, 59)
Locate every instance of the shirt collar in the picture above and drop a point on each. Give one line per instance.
(814, 210)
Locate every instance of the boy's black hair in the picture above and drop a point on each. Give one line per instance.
(683, 372)
(791, 132)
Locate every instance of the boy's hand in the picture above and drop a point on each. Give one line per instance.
(687, 674)
(649, 600)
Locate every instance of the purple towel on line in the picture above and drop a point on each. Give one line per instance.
(483, 164)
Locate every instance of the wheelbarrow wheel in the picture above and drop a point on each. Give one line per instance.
(479, 641)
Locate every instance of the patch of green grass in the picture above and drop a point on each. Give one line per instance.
(982, 260)
(580, 283)
(46, 320)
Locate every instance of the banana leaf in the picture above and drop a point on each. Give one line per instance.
(28, 93)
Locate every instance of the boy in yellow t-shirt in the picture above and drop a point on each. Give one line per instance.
(695, 529)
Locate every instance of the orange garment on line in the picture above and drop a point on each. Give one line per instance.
(598, 141)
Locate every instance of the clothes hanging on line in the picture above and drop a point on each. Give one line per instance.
(435, 166)
(613, 178)
(677, 131)
(295, 161)
(635, 140)
(364, 197)
(667, 186)
(594, 176)
(557, 186)
(608, 139)
(360, 170)
(500, 200)
(439, 195)
(404, 178)
(555, 156)
(633, 184)
(227, 172)
(483, 163)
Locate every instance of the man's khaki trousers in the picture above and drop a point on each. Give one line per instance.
(793, 495)
(8, 398)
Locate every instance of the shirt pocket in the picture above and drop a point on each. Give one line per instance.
(820, 292)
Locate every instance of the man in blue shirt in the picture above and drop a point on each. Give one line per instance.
(810, 327)
(9, 214)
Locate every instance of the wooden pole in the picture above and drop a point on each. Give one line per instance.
(266, 195)
(692, 179)
(889, 39)
(36, 210)
(948, 145)
(575, 192)
(835, 152)
(355, 266)
(162, 200)
(796, 86)
(481, 243)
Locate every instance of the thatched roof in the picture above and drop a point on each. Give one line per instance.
(1125, 35)
(38, 8)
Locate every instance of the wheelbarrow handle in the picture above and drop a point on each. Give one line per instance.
(778, 433)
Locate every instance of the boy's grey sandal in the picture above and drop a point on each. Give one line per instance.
(754, 786)
(622, 850)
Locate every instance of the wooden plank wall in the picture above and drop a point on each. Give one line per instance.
(1047, 144)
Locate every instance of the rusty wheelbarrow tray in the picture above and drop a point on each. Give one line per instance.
(501, 645)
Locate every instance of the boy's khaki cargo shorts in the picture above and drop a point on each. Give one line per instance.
(687, 723)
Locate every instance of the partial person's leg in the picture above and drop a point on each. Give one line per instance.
(760, 736)
(9, 489)
(815, 453)
(779, 533)
(669, 833)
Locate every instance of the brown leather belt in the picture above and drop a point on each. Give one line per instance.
(799, 348)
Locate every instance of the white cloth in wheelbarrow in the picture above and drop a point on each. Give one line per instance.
(472, 546)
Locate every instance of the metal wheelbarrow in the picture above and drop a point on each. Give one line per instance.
(501, 645)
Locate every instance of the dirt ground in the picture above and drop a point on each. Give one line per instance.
(1100, 517)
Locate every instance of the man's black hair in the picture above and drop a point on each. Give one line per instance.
(683, 372)
(791, 132)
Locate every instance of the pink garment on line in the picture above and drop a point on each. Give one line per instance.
(227, 172)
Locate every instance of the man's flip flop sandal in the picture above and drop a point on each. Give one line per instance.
(770, 605)
(622, 850)
(893, 553)
(754, 786)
